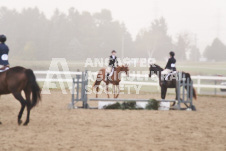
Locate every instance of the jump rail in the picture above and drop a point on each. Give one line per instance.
(81, 82)
(126, 100)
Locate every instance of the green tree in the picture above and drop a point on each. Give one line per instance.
(111, 35)
(182, 46)
(194, 53)
(154, 41)
(216, 51)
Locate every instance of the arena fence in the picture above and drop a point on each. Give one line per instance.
(201, 82)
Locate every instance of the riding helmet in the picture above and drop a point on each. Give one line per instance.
(113, 51)
(3, 38)
(172, 53)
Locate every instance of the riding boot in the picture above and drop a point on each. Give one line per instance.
(165, 82)
(108, 76)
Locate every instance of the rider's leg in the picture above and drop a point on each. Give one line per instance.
(108, 71)
(165, 73)
(110, 74)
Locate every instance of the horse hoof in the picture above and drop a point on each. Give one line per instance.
(19, 122)
(25, 124)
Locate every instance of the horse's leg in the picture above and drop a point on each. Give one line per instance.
(189, 97)
(176, 96)
(107, 90)
(96, 87)
(118, 91)
(163, 92)
(114, 91)
(28, 98)
(19, 97)
(97, 90)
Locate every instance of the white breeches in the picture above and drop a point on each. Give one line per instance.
(166, 71)
(110, 70)
(1, 66)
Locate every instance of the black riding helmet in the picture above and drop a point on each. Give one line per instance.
(3, 38)
(172, 53)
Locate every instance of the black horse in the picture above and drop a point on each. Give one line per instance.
(171, 83)
(18, 79)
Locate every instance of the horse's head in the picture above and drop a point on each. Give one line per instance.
(154, 69)
(125, 68)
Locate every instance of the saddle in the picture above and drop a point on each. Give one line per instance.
(173, 73)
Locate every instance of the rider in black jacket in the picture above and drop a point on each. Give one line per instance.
(113, 62)
(4, 50)
(171, 62)
(170, 66)
(113, 59)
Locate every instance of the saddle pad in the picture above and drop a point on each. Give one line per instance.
(4, 69)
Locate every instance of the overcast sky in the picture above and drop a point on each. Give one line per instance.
(206, 19)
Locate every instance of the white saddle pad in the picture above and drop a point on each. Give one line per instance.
(171, 73)
(4, 69)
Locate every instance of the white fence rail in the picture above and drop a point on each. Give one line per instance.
(141, 79)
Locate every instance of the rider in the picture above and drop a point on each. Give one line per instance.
(4, 50)
(170, 66)
(111, 65)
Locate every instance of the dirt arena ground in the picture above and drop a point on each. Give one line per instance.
(54, 127)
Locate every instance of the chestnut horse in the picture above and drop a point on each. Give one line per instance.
(114, 79)
(155, 69)
(18, 79)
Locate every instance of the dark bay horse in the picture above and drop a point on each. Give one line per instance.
(18, 79)
(114, 79)
(156, 69)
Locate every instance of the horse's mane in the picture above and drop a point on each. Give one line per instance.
(157, 66)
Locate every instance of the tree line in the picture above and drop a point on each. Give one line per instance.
(78, 35)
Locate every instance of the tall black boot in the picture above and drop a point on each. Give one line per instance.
(165, 82)
(108, 76)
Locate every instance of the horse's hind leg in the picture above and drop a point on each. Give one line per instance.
(118, 90)
(176, 97)
(114, 91)
(19, 97)
(28, 98)
(96, 87)
(107, 90)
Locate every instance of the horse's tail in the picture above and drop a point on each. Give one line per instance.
(98, 81)
(100, 76)
(194, 93)
(94, 84)
(193, 89)
(36, 91)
